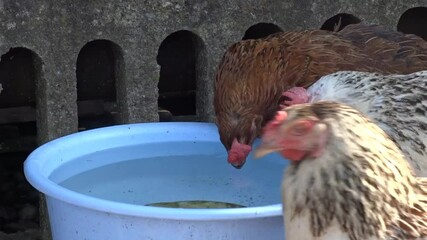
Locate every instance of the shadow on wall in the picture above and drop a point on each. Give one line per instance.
(20, 70)
(414, 21)
(98, 69)
(261, 30)
(340, 21)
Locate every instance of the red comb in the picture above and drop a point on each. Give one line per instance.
(280, 116)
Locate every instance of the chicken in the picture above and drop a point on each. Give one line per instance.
(397, 103)
(347, 179)
(253, 74)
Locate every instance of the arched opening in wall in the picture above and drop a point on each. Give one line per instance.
(261, 30)
(180, 70)
(20, 70)
(340, 21)
(98, 69)
(414, 21)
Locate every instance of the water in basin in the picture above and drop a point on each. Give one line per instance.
(152, 180)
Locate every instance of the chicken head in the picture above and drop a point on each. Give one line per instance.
(238, 137)
(295, 138)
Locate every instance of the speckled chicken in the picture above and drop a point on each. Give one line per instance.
(253, 74)
(347, 179)
(397, 103)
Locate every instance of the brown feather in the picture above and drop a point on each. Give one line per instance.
(253, 74)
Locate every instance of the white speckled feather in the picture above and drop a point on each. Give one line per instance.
(398, 104)
(297, 226)
(360, 187)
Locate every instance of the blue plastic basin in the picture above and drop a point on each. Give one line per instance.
(97, 183)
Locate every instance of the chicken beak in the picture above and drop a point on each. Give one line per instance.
(263, 150)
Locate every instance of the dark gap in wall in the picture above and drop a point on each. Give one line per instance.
(345, 18)
(261, 30)
(96, 72)
(17, 77)
(18, 100)
(414, 21)
(177, 84)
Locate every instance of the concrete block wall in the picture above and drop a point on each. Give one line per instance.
(54, 32)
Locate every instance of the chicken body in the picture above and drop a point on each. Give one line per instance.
(351, 183)
(253, 74)
(397, 103)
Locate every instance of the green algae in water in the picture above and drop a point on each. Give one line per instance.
(195, 204)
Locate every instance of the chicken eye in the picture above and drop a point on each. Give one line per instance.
(301, 128)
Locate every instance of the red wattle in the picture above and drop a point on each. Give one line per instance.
(293, 154)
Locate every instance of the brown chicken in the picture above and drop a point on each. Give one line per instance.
(347, 179)
(254, 75)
